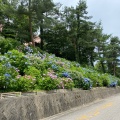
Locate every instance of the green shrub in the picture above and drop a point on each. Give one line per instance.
(95, 78)
(30, 70)
(30, 49)
(105, 80)
(66, 83)
(8, 44)
(39, 64)
(18, 60)
(86, 84)
(24, 83)
(7, 76)
(77, 78)
(48, 83)
(118, 82)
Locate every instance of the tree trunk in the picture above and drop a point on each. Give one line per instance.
(41, 34)
(77, 47)
(30, 24)
(114, 69)
(103, 67)
(76, 51)
(91, 60)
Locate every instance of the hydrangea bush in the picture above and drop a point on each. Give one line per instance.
(29, 69)
(87, 84)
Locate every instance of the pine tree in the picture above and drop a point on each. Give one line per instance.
(113, 53)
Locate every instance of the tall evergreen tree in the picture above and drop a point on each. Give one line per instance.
(101, 44)
(77, 21)
(43, 10)
(113, 53)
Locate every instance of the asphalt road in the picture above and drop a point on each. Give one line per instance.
(106, 109)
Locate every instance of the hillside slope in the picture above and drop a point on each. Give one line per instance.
(31, 69)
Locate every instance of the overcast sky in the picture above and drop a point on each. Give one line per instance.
(108, 11)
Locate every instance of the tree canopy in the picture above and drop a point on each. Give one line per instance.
(66, 32)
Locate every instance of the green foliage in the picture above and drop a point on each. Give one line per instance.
(26, 49)
(48, 83)
(67, 33)
(69, 84)
(7, 75)
(24, 83)
(99, 68)
(97, 79)
(66, 83)
(113, 53)
(77, 78)
(118, 82)
(105, 79)
(28, 71)
(39, 64)
(18, 59)
(32, 71)
(86, 84)
(7, 44)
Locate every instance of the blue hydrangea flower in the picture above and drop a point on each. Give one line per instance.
(28, 49)
(86, 80)
(7, 76)
(65, 74)
(113, 84)
(8, 65)
(9, 53)
(50, 63)
(87, 84)
(77, 65)
(54, 67)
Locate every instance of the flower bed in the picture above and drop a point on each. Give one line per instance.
(29, 70)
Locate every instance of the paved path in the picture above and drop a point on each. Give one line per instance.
(106, 109)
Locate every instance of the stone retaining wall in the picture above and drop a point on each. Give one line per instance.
(36, 107)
